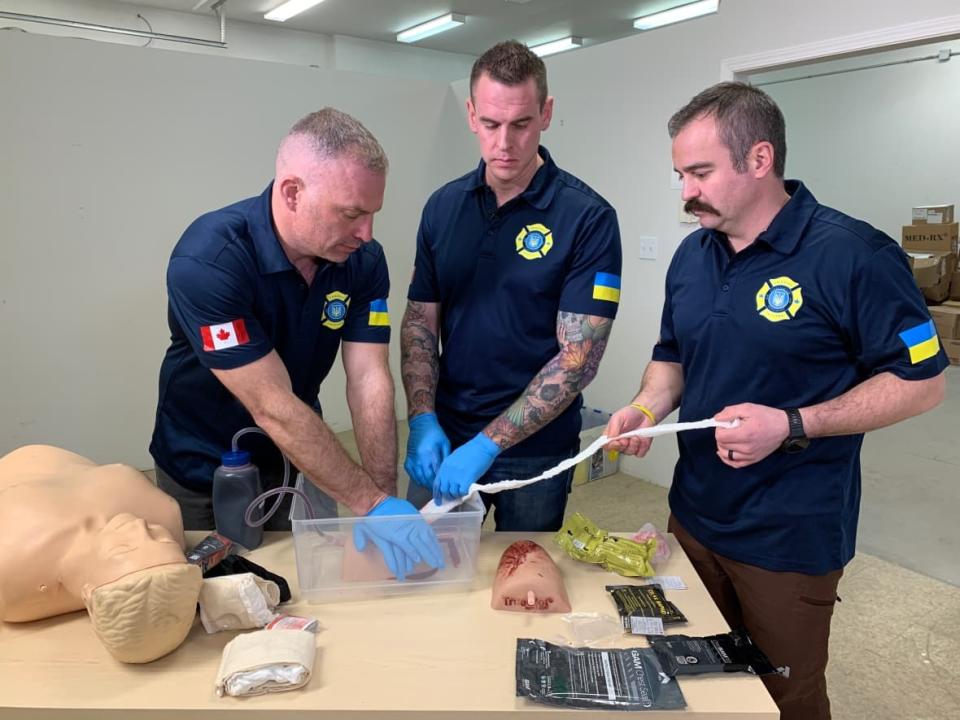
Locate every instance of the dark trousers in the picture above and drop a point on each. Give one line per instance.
(786, 613)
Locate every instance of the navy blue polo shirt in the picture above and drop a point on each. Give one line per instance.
(233, 297)
(501, 276)
(818, 304)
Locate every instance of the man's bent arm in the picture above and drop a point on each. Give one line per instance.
(582, 338)
(661, 388)
(877, 402)
(370, 398)
(420, 356)
(264, 389)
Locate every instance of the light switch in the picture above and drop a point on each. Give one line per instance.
(648, 248)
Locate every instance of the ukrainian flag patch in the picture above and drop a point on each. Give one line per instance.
(606, 286)
(921, 341)
(378, 313)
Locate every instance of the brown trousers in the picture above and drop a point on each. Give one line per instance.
(786, 613)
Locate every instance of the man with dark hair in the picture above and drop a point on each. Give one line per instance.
(804, 325)
(511, 63)
(517, 274)
(261, 295)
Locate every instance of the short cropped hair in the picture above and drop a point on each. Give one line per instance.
(744, 114)
(511, 63)
(334, 133)
(146, 614)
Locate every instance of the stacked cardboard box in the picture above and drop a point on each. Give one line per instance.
(934, 214)
(931, 242)
(602, 462)
(947, 319)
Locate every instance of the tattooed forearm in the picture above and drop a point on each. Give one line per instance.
(419, 356)
(582, 338)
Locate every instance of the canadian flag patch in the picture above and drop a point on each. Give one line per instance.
(224, 335)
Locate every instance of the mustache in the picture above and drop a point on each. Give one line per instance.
(695, 205)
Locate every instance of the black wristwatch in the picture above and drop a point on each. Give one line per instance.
(797, 439)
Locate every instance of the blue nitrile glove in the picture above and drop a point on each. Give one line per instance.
(467, 464)
(427, 448)
(403, 542)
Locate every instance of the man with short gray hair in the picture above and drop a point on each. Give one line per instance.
(261, 295)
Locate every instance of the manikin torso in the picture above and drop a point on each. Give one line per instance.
(69, 525)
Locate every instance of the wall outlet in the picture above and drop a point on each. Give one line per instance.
(648, 248)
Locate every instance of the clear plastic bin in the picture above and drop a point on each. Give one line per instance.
(329, 568)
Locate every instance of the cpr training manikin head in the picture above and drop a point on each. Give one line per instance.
(74, 534)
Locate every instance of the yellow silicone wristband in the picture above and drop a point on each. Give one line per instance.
(646, 411)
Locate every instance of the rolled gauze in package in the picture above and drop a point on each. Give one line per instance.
(266, 661)
(235, 602)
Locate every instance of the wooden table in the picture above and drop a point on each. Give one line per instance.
(422, 656)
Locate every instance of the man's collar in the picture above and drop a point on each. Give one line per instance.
(539, 193)
(270, 255)
(788, 225)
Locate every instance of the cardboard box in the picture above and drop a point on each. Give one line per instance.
(931, 238)
(947, 320)
(955, 284)
(952, 348)
(930, 267)
(602, 462)
(934, 214)
(933, 273)
(939, 292)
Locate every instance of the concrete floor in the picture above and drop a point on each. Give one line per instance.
(895, 643)
(911, 491)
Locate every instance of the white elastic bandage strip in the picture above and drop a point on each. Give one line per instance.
(431, 508)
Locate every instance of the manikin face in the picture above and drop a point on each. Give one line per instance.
(713, 190)
(124, 545)
(334, 209)
(508, 120)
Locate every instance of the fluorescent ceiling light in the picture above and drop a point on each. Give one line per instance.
(550, 48)
(677, 14)
(289, 9)
(431, 27)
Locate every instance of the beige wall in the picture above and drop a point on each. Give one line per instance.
(109, 152)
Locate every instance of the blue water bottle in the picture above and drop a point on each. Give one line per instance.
(236, 483)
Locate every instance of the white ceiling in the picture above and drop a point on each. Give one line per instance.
(488, 21)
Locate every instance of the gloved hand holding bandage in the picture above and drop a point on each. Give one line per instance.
(467, 464)
(449, 503)
(266, 661)
(404, 541)
(235, 602)
(427, 448)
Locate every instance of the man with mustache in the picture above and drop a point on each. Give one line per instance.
(261, 294)
(806, 326)
(517, 276)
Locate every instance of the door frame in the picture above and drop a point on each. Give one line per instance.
(925, 31)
